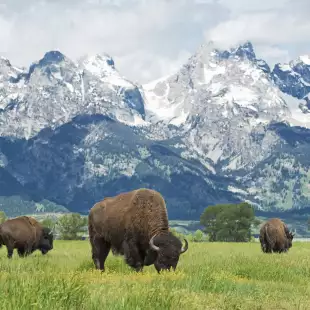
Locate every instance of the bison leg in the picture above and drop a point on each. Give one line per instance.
(21, 252)
(10, 251)
(132, 255)
(100, 251)
(268, 249)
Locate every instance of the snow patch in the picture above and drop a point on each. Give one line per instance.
(210, 74)
(285, 67)
(297, 117)
(177, 121)
(102, 66)
(70, 87)
(241, 95)
(236, 190)
(151, 85)
(215, 88)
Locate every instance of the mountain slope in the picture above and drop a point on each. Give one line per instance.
(93, 156)
(222, 129)
(227, 105)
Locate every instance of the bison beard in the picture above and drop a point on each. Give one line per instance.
(275, 237)
(26, 235)
(134, 224)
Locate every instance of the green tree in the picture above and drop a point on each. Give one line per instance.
(70, 225)
(229, 222)
(198, 236)
(49, 222)
(3, 217)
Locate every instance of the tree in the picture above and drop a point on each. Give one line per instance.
(198, 236)
(70, 225)
(3, 217)
(49, 222)
(229, 222)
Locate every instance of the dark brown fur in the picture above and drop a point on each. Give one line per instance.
(126, 223)
(26, 235)
(275, 236)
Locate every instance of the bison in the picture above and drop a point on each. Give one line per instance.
(275, 236)
(26, 235)
(134, 224)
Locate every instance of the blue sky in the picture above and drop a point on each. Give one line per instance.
(151, 38)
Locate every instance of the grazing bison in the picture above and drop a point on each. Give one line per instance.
(275, 236)
(134, 224)
(26, 235)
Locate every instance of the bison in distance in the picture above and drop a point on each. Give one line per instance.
(134, 224)
(26, 235)
(275, 236)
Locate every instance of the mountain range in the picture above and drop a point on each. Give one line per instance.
(224, 128)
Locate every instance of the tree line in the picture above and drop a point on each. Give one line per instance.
(222, 222)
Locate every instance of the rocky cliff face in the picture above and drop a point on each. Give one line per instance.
(224, 128)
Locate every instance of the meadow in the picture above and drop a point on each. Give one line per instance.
(209, 276)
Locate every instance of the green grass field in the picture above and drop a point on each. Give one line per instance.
(209, 276)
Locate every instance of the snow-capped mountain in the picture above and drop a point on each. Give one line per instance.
(55, 89)
(294, 79)
(224, 128)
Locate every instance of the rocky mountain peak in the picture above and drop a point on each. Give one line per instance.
(243, 51)
(5, 62)
(52, 57)
(228, 81)
(221, 129)
(101, 62)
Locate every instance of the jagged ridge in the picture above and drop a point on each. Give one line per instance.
(221, 129)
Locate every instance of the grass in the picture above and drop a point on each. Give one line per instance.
(209, 276)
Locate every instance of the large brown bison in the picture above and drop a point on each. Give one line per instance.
(275, 236)
(134, 224)
(26, 235)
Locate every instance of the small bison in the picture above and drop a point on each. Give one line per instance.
(26, 235)
(134, 224)
(275, 236)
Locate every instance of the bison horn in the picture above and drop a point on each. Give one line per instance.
(153, 246)
(183, 250)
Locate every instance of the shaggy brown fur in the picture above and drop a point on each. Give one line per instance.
(126, 223)
(26, 235)
(275, 236)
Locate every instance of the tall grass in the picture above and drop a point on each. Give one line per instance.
(209, 276)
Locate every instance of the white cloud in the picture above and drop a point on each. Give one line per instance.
(150, 38)
(275, 27)
(152, 34)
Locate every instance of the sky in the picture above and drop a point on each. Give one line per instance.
(149, 39)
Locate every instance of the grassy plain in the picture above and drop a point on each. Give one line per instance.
(209, 276)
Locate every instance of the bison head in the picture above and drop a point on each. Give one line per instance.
(168, 249)
(290, 237)
(46, 242)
